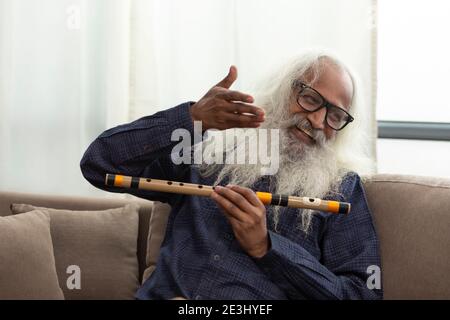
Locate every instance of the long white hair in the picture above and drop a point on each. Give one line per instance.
(351, 146)
(304, 170)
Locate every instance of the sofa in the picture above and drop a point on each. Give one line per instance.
(411, 215)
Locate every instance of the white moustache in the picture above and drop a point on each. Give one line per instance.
(304, 125)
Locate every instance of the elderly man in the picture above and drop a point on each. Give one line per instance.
(230, 245)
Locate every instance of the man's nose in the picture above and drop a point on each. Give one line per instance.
(317, 118)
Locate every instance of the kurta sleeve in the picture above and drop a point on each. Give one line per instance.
(141, 148)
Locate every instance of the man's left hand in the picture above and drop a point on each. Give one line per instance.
(247, 216)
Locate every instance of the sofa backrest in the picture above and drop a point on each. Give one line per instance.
(412, 218)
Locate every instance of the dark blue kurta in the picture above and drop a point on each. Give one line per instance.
(201, 259)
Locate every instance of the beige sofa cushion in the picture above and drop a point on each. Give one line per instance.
(27, 263)
(87, 204)
(412, 218)
(102, 244)
(156, 233)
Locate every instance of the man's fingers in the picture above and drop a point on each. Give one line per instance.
(229, 79)
(241, 120)
(248, 194)
(231, 95)
(235, 198)
(229, 207)
(237, 107)
(235, 223)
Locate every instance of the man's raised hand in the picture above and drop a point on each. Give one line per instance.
(222, 108)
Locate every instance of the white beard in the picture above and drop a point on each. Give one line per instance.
(304, 170)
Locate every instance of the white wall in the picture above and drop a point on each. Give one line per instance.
(413, 81)
(417, 157)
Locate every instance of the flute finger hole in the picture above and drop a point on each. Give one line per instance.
(200, 187)
(149, 180)
(181, 184)
(169, 182)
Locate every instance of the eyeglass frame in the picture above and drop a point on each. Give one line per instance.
(325, 104)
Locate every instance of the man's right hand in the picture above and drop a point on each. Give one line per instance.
(222, 108)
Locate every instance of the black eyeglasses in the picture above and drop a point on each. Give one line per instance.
(311, 100)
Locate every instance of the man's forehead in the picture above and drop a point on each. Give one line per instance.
(333, 83)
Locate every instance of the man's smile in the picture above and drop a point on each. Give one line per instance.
(303, 135)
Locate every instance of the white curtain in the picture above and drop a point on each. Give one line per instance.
(64, 77)
(69, 69)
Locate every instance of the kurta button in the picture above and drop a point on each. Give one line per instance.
(198, 297)
(216, 257)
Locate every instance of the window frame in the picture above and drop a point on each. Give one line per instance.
(434, 131)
